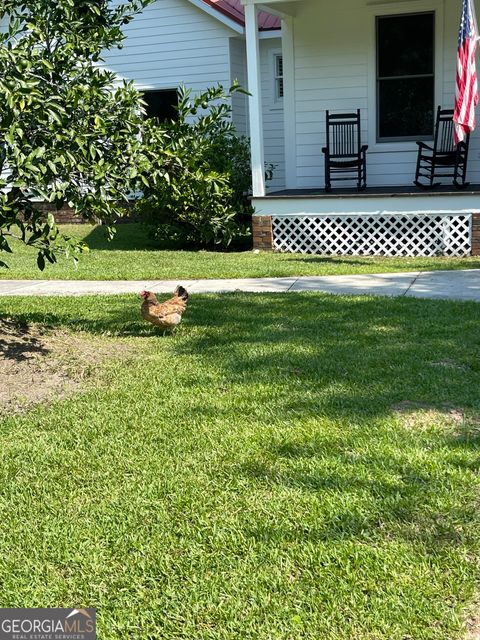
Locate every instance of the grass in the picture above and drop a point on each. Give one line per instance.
(132, 256)
(250, 477)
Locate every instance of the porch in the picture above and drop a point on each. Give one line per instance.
(327, 68)
(388, 221)
(374, 192)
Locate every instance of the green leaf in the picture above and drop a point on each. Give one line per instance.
(52, 90)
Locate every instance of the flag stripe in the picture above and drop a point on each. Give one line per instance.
(466, 89)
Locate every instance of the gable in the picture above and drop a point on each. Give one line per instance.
(233, 12)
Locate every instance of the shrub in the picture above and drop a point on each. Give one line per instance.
(195, 189)
(68, 133)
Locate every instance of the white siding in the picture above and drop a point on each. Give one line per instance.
(174, 42)
(238, 71)
(335, 69)
(170, 43)
(273, 127)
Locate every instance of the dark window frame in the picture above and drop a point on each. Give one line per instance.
(170, 91)
(279, 78)
(378, 78)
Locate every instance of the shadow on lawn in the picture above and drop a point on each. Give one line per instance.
(384, 264)
(351, 355)
(128, 237)
(349, 361)
(320, 259)
(376, 496)
(344, 362)
(17, 343)
(135, 237)
(98, 315)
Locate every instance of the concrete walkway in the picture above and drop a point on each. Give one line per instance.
(453, 285)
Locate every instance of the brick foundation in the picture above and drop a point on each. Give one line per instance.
(476, 234)
(65, 215)
(262, 233)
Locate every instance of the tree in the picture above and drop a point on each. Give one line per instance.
(68, 133)
(197, 172)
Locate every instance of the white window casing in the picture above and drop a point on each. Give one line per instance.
(278, 90)
(403, 8)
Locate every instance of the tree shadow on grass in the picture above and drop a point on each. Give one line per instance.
(391, 496)
(318, 378)
(352, 355)
(338, 367)
(128, 237)
(136, 237)
(17, 343)
(98, 315)
(320, 259)
(383, 265)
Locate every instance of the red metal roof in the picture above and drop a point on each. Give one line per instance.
(234, 10)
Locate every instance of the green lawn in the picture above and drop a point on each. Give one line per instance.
(132, 256)
(251, 478)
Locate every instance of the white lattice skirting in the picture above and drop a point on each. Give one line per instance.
(374, 234)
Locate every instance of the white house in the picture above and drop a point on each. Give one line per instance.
(299, 58)
(333, 57)
(200, 43)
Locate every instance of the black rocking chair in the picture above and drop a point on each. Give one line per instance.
(444, 159)
(344, 153)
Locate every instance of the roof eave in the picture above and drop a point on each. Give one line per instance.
(216, 12)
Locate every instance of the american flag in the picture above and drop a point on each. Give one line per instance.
(466, 93)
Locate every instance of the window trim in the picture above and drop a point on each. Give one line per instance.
(278, 100)
(408, 7)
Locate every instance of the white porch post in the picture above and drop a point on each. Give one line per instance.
(289, 103)
(255, 100)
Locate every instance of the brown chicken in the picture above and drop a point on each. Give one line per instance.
(166, 315)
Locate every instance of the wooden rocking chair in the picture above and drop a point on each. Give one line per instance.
(444, 159)
(344, 153)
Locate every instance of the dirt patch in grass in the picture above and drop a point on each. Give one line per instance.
(422, 416)
(473, 621)
(39, 363)
(449, 364)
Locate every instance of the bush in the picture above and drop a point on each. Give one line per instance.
(68, 132)
(198, 177)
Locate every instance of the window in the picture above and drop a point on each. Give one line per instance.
(278, 77)
(161, 104)
(405, 76)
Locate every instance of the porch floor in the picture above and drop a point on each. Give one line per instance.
(373, 192)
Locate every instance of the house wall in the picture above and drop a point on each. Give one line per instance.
(334, 67)
(273, 118)
(173, 42)
(238, 71)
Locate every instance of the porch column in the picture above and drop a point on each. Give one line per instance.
(289, 115)
(255, 100)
